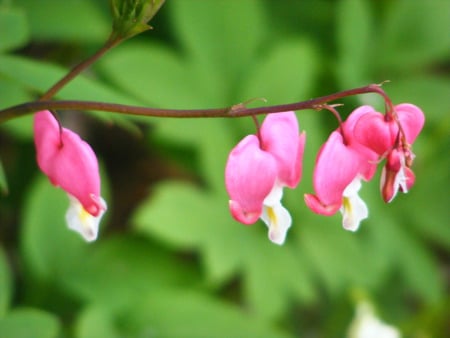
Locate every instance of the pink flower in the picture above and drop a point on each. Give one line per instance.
(391, 136)
(70, 163)
(340, 165)
(258, 169)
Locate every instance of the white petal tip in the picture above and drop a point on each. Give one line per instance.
(79, 220)
(277, 237)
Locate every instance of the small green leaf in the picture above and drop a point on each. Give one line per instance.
(26, 323)
(131, 17)
(5, 284)
(14, 28)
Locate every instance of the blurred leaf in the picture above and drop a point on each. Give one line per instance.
(11, 93)
(14, 28)
(26, 323)
(120, 269)
(40, 76)
(5, 284)
(354, 35)
(430, 213)
(284, 73)
(195, 315)
(51, 251)
(3, 181)
(394, 239)
(77, 20)
(222, 36)
(201, 222)
(95, 322)
(429, 92)
(415, 33)
(152, 73)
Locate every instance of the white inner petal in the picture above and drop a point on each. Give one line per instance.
(278, 220)
(79, 220)
(275, 195)
(353, 209)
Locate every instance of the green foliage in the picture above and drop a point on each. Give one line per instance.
(170, 261)
(5, 284)
(24, 323)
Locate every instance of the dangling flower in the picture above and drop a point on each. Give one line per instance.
(391, 136)
(258, 169)
(70, 163)
(340, 165)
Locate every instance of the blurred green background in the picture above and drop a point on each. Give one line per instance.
(170, 261)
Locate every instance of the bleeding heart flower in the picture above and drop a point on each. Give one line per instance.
(391, 136)
(70, 163)
(258, 169)
(340, 165)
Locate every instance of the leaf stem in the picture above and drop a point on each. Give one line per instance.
(110, 43)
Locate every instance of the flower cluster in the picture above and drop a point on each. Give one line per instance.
(261, 165)
(70, 163)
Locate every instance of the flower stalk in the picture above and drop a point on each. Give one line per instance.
(237, 110)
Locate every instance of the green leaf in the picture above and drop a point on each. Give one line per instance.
(177, 313)
(50, 250)
(14, 28)
(40, 76)
(132, 17)
(12, 94)
(120, 269)
(415, 34)
(3, 181)
(429, 92)
(95, 322)
(187, 217)
(5, 284)
(354, 36)
(76, 20)
(221, 36)
(152, 73)
(286, 72)
(25, 323)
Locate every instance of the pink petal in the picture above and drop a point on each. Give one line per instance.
(373, 132)
(250, 175)
(68, 161)
(412, 120)
(336, 166)
(318, 207)
(280, 137)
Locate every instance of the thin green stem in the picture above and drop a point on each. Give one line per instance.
(110, 43)
(238, 110)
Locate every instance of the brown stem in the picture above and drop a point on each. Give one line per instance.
(227, 112)
(110, 43)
